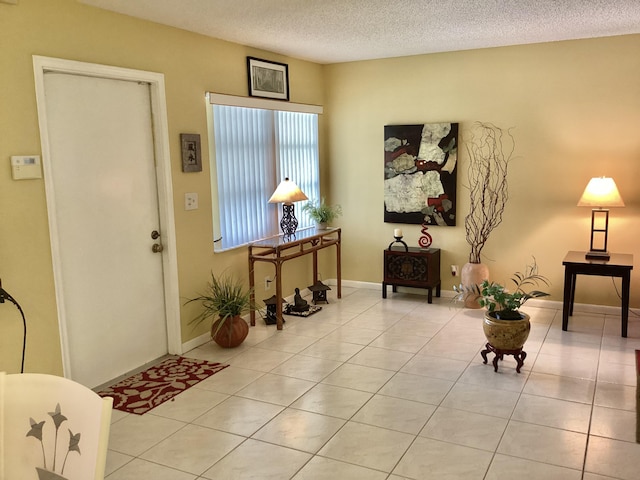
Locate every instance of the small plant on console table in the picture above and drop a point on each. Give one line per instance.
(321, 213)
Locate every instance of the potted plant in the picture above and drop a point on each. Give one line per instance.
(505, 326)
(490, 150)
(225, 301)
(321, 213)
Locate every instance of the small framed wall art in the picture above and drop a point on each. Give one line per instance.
(191, 153)
(268, 79)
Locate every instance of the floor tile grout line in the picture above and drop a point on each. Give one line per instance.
(593, 401)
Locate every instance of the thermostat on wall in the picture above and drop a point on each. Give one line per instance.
(24, 167)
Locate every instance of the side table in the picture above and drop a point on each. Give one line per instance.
(412, 267)
(575, 263)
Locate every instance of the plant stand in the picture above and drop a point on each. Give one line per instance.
(518, 354)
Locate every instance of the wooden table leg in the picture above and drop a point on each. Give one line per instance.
(278, 295)
(252, 314)
(566, 299)
(315, 267)
(626, 281)
(339, 267)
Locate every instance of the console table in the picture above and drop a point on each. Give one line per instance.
(279, 249)
(412, 267)
(575, 263)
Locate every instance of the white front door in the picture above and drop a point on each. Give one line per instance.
(102, 193)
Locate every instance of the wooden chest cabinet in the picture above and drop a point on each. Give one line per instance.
(412, 267)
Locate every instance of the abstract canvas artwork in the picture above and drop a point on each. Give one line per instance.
(420, 173)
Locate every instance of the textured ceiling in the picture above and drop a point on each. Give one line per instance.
(334, 31)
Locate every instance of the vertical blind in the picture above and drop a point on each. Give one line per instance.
(254, 150)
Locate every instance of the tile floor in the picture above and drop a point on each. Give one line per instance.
(395, 389)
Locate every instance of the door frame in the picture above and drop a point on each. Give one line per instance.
(42, 65)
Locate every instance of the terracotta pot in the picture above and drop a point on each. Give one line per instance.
(232, 333)
(506, 334)
(473, 274)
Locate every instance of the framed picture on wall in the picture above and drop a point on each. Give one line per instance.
(191, 153)
(268, 79)
(420, 173)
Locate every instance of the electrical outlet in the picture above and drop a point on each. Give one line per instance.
(454, 270)
(267, 283)
(190, 201)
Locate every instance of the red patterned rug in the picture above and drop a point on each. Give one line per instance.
(145, 390)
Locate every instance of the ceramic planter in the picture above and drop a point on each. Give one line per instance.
(232, 333)
(470, 275)
(508, 335)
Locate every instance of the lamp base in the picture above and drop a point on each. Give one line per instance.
(289, 222)
(596, 255)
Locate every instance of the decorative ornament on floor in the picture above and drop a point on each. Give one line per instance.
(226, 299)
(270, 317)
(300, 306)
(319, 291)
(504, 326)
(490, 151)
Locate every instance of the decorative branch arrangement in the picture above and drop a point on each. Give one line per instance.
(490, 150)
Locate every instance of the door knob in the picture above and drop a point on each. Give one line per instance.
(157, 248)
(155, 234)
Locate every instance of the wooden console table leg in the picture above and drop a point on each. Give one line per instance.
(339, 265)
(279, 322)
(252, 314)
(315, 267)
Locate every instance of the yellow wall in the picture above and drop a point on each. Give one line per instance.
(192, 65)
(575, 110)
(574, 106)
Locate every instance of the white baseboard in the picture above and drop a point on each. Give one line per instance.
(555, 304)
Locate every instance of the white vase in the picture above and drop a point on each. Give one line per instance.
(470, 275)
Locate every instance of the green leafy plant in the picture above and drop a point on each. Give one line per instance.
(224, 298)
(496, 298)
(504, 303)
(321, 212)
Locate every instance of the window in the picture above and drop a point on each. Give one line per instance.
(255, 149)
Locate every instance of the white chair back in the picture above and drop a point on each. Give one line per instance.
(52, 428)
